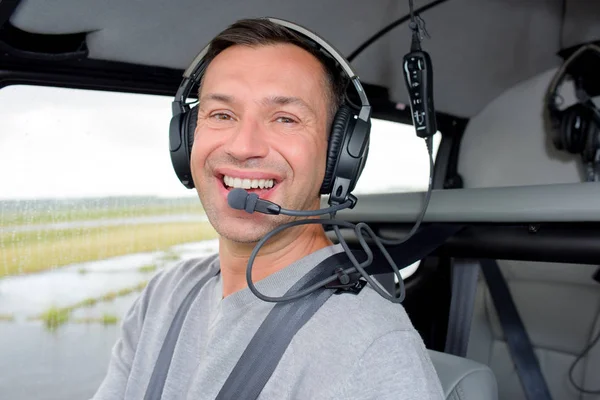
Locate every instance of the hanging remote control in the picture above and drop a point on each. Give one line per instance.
(418, 74)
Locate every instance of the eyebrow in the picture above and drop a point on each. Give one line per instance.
(223, 98)
(285, 100)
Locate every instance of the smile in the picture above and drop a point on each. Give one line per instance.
(246, 183)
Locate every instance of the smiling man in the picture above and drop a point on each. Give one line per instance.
(262, 125)
(267, 101)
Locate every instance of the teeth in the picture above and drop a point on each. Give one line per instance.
(248, 183)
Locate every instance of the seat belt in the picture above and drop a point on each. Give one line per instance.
(257, 363)
(462, 302)
(521, 350)
(261, 356)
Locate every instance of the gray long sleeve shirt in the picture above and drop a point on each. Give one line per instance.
(355, 347)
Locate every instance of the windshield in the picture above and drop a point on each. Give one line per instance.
(90, 210)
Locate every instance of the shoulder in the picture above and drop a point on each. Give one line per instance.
(393, 361)
(369, 312)
(367, 345)
(170, 286)
(394, 365)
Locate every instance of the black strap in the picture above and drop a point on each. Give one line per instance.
(464, 288)
(259, 360)
(163, 362)
(521, 349)
(424, 242)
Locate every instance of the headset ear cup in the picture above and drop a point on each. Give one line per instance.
(576, 125)
(191, 119)
(336, 138)
(566, 128)
(181, 137)
(592, 143)
(179, 149)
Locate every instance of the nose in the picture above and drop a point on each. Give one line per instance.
(248, 141)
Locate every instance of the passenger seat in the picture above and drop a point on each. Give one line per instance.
(464, 379)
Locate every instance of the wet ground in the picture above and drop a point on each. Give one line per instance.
(69, 362)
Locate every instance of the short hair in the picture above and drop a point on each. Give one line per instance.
(255, 32)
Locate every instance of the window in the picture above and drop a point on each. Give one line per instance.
(90, 210)
(397, 161)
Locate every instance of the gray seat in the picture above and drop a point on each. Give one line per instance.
(464, 379)
(558, 303)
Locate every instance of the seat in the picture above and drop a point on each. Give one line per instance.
(558, 303)
(464, 379)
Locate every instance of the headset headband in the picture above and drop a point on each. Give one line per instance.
(562, 73)
(197, 67)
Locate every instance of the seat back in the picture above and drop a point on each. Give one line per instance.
(507, 145)
(464, 379)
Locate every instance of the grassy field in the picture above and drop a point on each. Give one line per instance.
(30, 252)
(82, 213)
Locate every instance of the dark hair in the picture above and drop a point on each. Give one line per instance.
(262, 32)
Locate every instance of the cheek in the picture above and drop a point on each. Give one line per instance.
(201, 150)
(307, 159)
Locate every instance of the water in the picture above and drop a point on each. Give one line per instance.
(70, 362)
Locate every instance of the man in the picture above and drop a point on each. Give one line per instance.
(267, 101)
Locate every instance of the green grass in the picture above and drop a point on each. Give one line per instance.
(148, 268)
(31, 252)
(170, 255)
(7, 317)
(57, 316)
(85, 214)
(89, 302)
(106, 319)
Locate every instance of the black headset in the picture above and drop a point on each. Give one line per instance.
(575, 129)
(348, 140)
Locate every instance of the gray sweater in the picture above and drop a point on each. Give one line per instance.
(355, 347)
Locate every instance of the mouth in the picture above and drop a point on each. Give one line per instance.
(263, 187)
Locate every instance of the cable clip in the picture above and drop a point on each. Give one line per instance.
(346, 283)
(418, 27)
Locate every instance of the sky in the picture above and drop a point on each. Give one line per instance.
(62, 143)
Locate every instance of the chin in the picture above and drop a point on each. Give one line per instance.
(248, 229)
(243, 234)
(237, 225)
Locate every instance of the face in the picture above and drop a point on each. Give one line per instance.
(262, 122)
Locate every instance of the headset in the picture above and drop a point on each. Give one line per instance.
(575, 129)
(347, 152)
(348, 143)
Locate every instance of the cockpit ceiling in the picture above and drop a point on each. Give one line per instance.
(479, 48)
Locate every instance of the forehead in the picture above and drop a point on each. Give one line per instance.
(278, 69)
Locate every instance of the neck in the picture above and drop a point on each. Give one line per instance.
(272, 257)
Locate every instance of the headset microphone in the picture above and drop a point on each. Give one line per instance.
(242, 200)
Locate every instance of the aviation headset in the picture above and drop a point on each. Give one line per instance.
(575, 129)
(348, 140)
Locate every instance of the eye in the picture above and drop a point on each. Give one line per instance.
(286, 120)
(221, 116)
